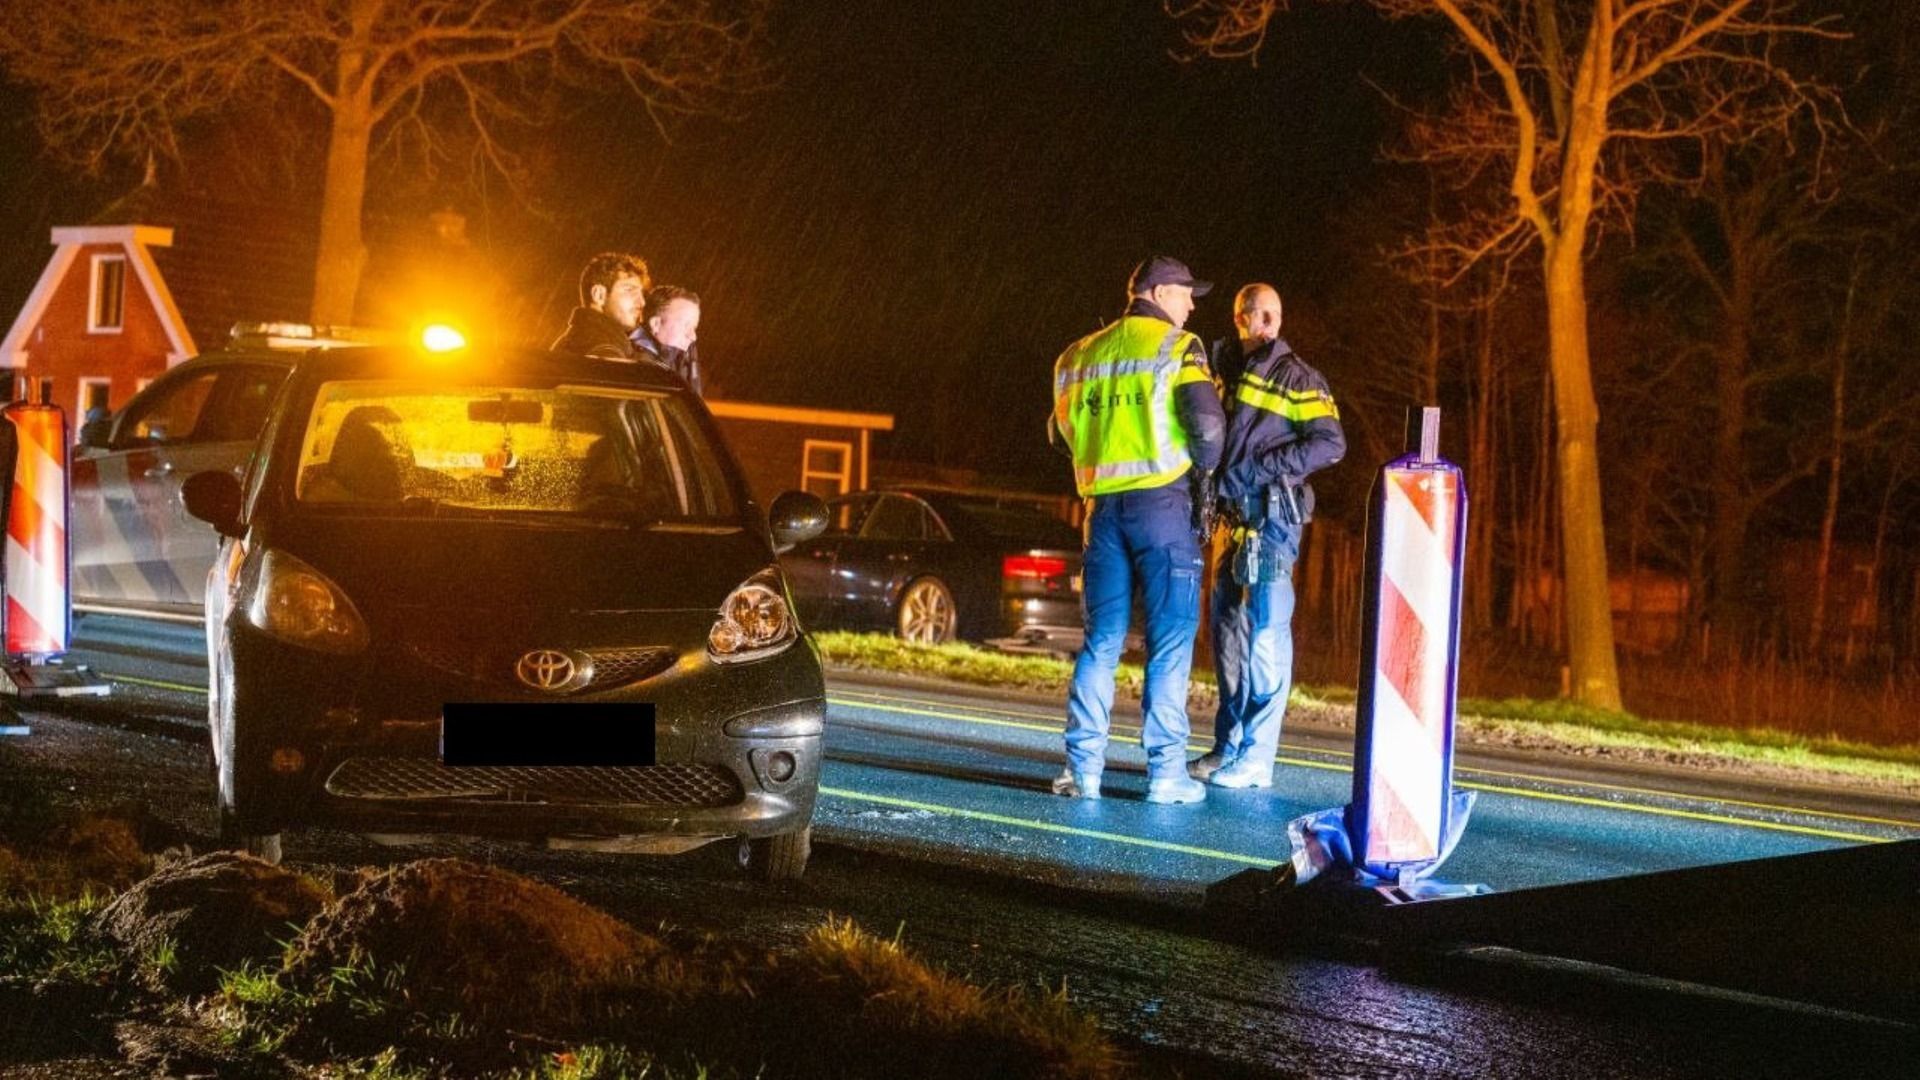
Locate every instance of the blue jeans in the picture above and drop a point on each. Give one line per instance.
(1253, 649)
(1144, 538)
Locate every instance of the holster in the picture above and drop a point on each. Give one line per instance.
(1278, 502)
(1283, 503)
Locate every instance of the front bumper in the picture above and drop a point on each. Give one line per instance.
(354, 743)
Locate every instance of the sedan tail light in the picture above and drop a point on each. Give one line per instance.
(1036, 567)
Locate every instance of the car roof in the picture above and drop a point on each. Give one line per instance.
(349, 361)
(390, 361)
(242, 355)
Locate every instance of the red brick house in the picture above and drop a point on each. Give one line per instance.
(100, 323)
(153, 280)
(826, 451)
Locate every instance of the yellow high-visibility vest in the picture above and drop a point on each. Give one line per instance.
(1113, 402)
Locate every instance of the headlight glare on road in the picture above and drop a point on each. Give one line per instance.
(298, 604)
(754, 621)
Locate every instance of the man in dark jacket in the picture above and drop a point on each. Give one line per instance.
(1282, 426)
(667, 337)
(613, 292)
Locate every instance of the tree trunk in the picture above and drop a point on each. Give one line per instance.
(1483, 523)
(1876, 571)
(1823, 567)
(1728, 606)
(1636, 528)
(342, 255)
(1430, 360)
(1595, 676)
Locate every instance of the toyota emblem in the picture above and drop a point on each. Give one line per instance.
(547, 669)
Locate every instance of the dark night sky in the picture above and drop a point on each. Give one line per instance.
(936, 198)
(933, 204)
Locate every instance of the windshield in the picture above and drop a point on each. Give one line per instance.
(429, 447)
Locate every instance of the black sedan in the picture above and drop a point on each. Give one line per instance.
(506, 593)
(933, 565)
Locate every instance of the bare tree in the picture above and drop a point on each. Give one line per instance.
(1574, 106)
(122, 77)
(1739, 244)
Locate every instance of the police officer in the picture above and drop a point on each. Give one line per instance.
(1136, 407)
(1282, 426)
(669, 335)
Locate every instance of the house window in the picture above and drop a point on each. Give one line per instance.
(45, 394)
(826, 468)
(94, 391)
(106, 310)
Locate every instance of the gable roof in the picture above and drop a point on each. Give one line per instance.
(140, 243)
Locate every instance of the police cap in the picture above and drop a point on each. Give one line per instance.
(1165, 270)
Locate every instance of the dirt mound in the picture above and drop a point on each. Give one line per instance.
(103, 848)
(94, 852)
(475, 939)
(851, 1004)
(216, 910)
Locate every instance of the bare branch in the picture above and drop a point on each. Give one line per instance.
(299, 75)
(1223, 29)
(117, 78)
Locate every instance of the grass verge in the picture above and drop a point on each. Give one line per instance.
(1524, 722)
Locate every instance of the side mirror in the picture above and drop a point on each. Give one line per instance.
(214, 497)
(796, 517)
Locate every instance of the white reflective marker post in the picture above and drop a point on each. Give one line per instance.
(1403, 764)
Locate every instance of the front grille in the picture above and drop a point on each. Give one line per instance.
(425, 778)
(452, 657)
(617, 667)
(612, 667)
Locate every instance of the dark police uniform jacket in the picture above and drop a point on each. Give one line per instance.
(682, 362)
(1282, 424)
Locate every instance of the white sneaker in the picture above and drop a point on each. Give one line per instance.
(1075, 785)
(1176, 789)
(1248, 770)
(1207, 764)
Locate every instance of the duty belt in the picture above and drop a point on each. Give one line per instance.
(1277, 501)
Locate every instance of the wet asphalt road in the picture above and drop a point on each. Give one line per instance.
(937, 827)
(951, 776)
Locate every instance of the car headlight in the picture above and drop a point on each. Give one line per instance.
(754, 621)
(298, 604)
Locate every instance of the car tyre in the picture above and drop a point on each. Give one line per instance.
(262, 846)
(777, 858)
(927, 615)
(227, 780)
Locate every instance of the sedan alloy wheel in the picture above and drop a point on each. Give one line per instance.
(927, 615)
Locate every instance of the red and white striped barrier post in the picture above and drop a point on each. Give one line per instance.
(37, 623)
(1403, 763)
(1405, 816)
(36, 609)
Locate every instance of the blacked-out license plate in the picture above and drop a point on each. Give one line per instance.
(538, 733)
